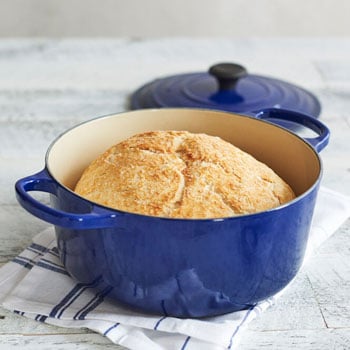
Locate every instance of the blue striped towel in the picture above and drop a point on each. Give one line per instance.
(36, 285)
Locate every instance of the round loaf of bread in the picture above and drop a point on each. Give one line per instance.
(179, 174)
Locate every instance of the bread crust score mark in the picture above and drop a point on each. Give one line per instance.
(182, 175)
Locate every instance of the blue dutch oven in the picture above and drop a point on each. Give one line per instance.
(181, 267)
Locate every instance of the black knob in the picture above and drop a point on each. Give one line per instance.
(227, 74)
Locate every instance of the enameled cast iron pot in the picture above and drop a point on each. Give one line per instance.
(181, 267)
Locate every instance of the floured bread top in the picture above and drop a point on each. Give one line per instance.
(181, 175)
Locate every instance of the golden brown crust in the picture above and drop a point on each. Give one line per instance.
(182, 175)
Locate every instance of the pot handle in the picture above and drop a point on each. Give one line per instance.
(43, 182)
(299, 119)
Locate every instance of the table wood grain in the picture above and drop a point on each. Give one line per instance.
(47, 86)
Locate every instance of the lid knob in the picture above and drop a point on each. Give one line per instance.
(227, 74)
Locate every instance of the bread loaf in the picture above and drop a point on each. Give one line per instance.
(178, 174)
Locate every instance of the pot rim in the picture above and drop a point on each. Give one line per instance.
(240, 216)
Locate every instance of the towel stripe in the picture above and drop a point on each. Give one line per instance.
(159, 321)
(52, 263)
(185, 343)
(239, 326)
(39, 248)
(54, 250)
(93, 303)
(25, 262)
(34, 251)
(69, 298)
(31, 261)
(44, 263)
(54, 253)
(52, 268)
(110, 328)
(40, 318)
(76, 297)
(21, 313)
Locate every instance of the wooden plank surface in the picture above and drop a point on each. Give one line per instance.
(47, 86)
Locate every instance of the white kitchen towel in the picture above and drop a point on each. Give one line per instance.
(35, 285)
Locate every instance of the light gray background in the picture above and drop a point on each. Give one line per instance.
(160, 18)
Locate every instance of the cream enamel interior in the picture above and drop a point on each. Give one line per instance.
(289, 156)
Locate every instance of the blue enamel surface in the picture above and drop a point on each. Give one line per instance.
(191, 268)
(294, 121)
(200, 90)
(183, 268)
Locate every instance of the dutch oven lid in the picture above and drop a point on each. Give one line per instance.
(228, 87)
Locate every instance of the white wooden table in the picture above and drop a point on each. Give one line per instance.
(47, 86)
